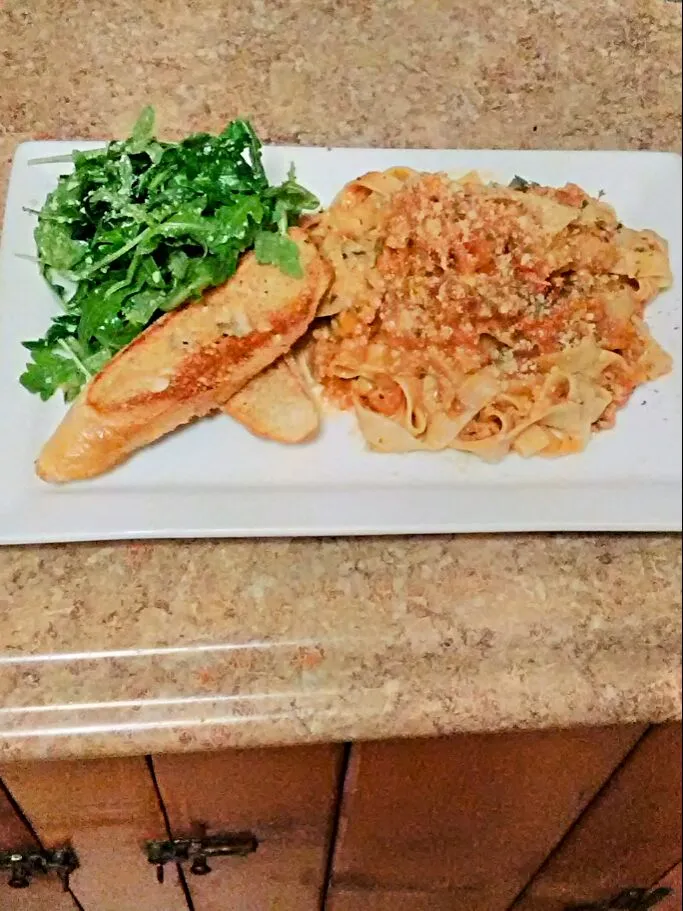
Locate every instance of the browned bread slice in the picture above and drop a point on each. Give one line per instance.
(186, 365)
(276, 404)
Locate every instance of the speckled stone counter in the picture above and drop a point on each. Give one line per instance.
(133, 647)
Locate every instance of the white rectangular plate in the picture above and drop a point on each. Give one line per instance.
(215, 479)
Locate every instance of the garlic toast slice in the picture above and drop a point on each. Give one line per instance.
(186, 364)
(276, 404)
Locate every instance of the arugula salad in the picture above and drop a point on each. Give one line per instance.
(141, 226)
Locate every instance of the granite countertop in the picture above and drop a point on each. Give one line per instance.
(155, 646)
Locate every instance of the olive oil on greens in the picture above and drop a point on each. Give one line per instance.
(141, 226)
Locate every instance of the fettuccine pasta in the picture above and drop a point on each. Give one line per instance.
(472, 316)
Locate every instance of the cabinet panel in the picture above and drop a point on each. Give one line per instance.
(629, 836)
(406, 900)
(464, 821)
(286, 797)
(42, 894)
(106, 808)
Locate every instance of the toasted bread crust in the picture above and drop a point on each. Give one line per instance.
(186, 365)
(276, 404)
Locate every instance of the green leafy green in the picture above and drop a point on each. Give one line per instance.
(60, 361)
(279, 250)
(141, 226)
(143, 130)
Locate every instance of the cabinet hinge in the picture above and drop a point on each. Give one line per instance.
(22, 865)
(197, 850)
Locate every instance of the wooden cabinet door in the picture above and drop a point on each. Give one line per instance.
(106, 808)
(462, 822)
(629, 836)
(286, 797)
(43, 893)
